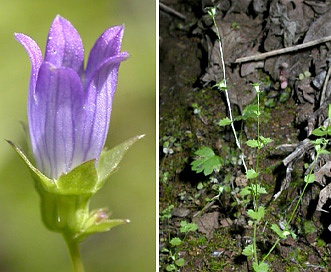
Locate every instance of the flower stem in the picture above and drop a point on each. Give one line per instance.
(73, 247)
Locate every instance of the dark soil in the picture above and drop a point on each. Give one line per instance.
(190, 108)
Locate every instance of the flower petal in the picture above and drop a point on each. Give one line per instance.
(98, 105)
(108, 45)
(35, 56)
(53, 119)
(64, 46)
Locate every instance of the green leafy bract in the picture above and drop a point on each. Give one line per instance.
(110, 159)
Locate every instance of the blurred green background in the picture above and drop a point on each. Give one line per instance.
(25, 245)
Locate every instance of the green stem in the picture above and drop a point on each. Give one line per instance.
(73, 247)
(254, 242)
(227, 95)
(288, 222)
(255, 191)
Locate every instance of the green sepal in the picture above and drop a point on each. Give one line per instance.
(46, 182)
(82, 179)
(65, 201)
(110, 159)
(99, 221)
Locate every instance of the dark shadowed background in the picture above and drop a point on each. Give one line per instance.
(25, 244)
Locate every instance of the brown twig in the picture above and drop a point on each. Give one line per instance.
(283, 50)
(171, 10)
(325, 84)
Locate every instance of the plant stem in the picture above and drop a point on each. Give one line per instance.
(73, 247)
(254, 242)
(255, 191)
(227, 95)
(288, 222)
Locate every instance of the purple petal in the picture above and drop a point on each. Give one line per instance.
(64, 46)
(98, 105)
(35, 56)
(53, 119)
(108, 45)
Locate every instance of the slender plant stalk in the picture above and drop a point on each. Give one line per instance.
(255, 191)
(76, 260)
(212, 12)
(226, 91)
(288, 222)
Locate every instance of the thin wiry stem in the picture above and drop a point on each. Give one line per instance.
(242, 157)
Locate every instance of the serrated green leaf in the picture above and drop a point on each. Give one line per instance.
(224, 122)
(323, 151)
(319, 132)
(175, 241)
(187, 227)
(265, 141)
(261, 267)
(249, 111)
(251, 213)
(253, 189)
(253, 143)
(206, 162)
(310, 178)
(251, 174)
(205, 152)
(247, 190)
(221, 85)
(278, 231)
(248, 251)
(259, 189)
(165, 250)
(318, 142)
(256, 215)
(200, 186)
(171, 267)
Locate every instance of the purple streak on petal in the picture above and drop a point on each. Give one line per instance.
(108, 45)
(64, 46)
(58, 105)
(98, 105)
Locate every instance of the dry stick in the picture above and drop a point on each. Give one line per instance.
(172, 11)
(325, 85)
(283, 50)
